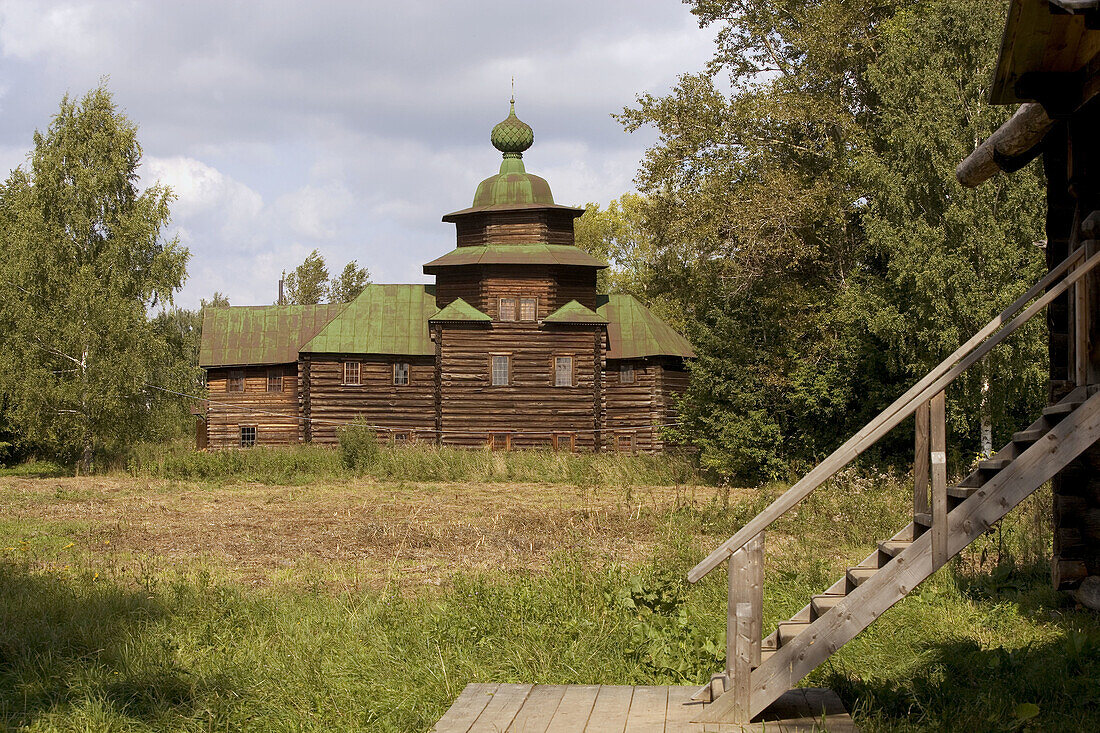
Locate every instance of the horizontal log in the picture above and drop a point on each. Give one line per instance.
(1011, 146)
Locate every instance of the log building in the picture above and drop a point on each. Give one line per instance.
(512, 347)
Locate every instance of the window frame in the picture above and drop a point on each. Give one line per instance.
(514, 309)
(534, 302)
(572, 370)
(244, 443)
(408, 373)
(628, 440)
(358, 374)
(570, 439)
(234, 377)
(275, 376)
(405, 439)
(625, 369)
(507, 370)
(494, 445)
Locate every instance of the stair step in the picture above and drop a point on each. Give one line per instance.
(994, 464)
(961, 492)
(923, 519)
(856, 576)
(1060, 410)
(824, 603)
(1028, 436)
(765, 654)
(788, 630)
(893, 547)
(770, 642)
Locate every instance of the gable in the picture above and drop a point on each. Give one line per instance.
(384, 319)
(260, 334)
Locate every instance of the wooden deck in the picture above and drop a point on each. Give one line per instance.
(624, 709)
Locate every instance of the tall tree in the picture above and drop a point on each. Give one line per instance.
(345, 287)
(792, 220)
(82, 260)
(308, 282)
(618, 235)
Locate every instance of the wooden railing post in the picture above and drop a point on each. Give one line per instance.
(746, 585)
(740, 674)
(1081, 331)
(938, 443)
(920, 462)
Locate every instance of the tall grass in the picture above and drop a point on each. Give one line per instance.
(418, 462)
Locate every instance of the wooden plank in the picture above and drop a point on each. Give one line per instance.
(756, 597)
(938, 444)
(538, 709)
(933, 383)
(920, 462)
(681, 710)
(610, 709)
(1080, 332)
(574, 709)
(647, 710)
(740, 674)
(969, 520)
(499, 712)
(466, 708)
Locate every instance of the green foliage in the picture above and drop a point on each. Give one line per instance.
(82, 260)
(345, 287)
(359, 448)
(808, 229)
(308, 283)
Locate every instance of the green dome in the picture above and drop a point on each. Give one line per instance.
(512, 135)
(513, 185)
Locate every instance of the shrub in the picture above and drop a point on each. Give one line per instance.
(359, 449)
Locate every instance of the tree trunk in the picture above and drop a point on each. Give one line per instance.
(987, 420)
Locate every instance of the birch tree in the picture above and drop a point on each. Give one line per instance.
(83, 258)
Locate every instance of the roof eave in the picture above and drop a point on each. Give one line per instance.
(454, 216)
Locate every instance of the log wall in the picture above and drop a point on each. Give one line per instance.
(530, 409)
(397, 408)
(483, 285)
(515, 227)
(634, 408)
(273, 414)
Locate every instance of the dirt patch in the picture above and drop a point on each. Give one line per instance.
(410, 533)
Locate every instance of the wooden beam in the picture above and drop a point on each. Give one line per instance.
(741, 672)
(920, 462)
(938, 443)
(935, 381)
(1017, 137)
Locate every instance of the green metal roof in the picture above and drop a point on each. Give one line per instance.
(384, 319)
(574, 312)
(460, 310)
(515, 254)
(633, 331)
(265, 334)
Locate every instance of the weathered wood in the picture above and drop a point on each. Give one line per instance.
(741, 671)
(538, 709)
(599, 337)
(921, 455)
(938, 445)
(437, 382)
(273, 414)
(869, 600)
(610, 709)
(466, 709)
(1016, 137)
(502, 709)
(934, 382)
(647, 710)
(1081, 332)
(575, 708)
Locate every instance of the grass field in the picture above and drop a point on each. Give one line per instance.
(366, 602)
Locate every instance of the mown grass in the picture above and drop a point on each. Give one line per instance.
(413, 463)
(88, 642)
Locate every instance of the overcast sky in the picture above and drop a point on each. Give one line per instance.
(349, 127)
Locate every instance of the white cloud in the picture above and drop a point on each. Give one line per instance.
(315, 212)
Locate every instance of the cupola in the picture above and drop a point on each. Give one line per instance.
(513, 185)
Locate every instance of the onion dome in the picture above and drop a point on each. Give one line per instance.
(513, 185)
(512, 136)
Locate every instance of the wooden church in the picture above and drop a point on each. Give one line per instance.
(513, 347)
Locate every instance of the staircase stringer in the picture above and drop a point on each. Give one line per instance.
(968, 521)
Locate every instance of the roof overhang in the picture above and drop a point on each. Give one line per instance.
(515, 254)
(454, 216)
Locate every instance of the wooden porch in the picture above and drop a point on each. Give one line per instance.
(626, 709)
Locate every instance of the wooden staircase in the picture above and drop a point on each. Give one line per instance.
(758, 672)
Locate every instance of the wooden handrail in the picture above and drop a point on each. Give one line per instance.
(932, 383)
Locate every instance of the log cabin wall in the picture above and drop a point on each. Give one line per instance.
(575, 283)
(405, 410)
(530, 409)
(274, 414)
(545, 226)
(517, 281)
(634, 408)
